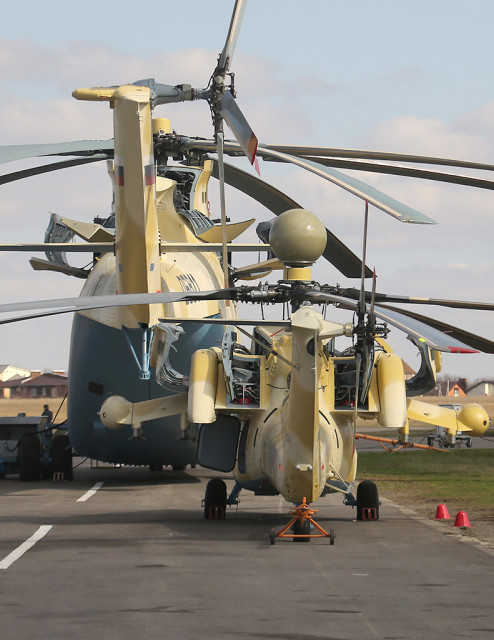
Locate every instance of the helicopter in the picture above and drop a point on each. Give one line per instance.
(157, 373)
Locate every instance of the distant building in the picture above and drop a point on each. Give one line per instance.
(482, 388)
(11, 372)
(452, 388)
(407, 370)
(39, 385)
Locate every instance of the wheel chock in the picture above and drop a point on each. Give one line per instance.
(216, 513)
(369, 513)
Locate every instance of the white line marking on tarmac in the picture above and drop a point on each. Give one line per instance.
(25, 546)
(90, 493)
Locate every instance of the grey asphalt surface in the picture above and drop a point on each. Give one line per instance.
(138, 560)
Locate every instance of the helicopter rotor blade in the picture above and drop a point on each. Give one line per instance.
(222, 100)
(362, 306)
(472, 340)
(226, 55)
(47, 168)
(454, 304)
(365, 342)
(337, 253)
(409, 172)
(389, 205)
(435, 334)
(171, 320)
(224, 108)
(67, 305)
(10, 153)
(242, 130)
(360, 154)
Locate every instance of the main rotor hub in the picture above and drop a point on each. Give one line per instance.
(297, 237)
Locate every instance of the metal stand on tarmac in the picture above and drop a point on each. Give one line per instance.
(301, 521)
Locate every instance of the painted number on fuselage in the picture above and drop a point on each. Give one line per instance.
(188, 284)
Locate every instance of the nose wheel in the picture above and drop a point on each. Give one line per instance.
(301, 522)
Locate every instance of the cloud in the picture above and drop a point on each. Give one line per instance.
(426, 136)
(35, 66)
(25, 121)
(478, 122)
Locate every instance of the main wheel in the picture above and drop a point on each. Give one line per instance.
(29, 457)
(215, 500)
(367, 501)
(301, 528)
(61, 455)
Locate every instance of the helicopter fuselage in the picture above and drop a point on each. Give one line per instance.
(111, 348)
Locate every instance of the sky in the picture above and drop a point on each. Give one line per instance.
(384, 75)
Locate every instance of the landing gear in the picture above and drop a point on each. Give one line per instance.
(61, 454)
(29, 458)
(367, 501)
(215, 500)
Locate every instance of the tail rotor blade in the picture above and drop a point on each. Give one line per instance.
(226, 55)
(223, 101)
(242, 130)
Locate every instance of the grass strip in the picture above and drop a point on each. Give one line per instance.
(465, 476)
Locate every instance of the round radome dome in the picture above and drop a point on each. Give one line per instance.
(297, 237)
(475, 417)
(115, 412)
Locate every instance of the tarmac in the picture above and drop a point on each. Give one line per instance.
(126, 553)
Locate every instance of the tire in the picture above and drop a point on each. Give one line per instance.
(61, 454)
(29, 458)
(367, 501)
(301, 529)
(215, 500)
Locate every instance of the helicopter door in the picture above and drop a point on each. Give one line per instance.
(217, 448)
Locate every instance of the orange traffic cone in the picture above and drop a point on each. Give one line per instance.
(462, 519)
(442, 513)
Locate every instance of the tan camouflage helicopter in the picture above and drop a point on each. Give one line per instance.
(158, 374)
